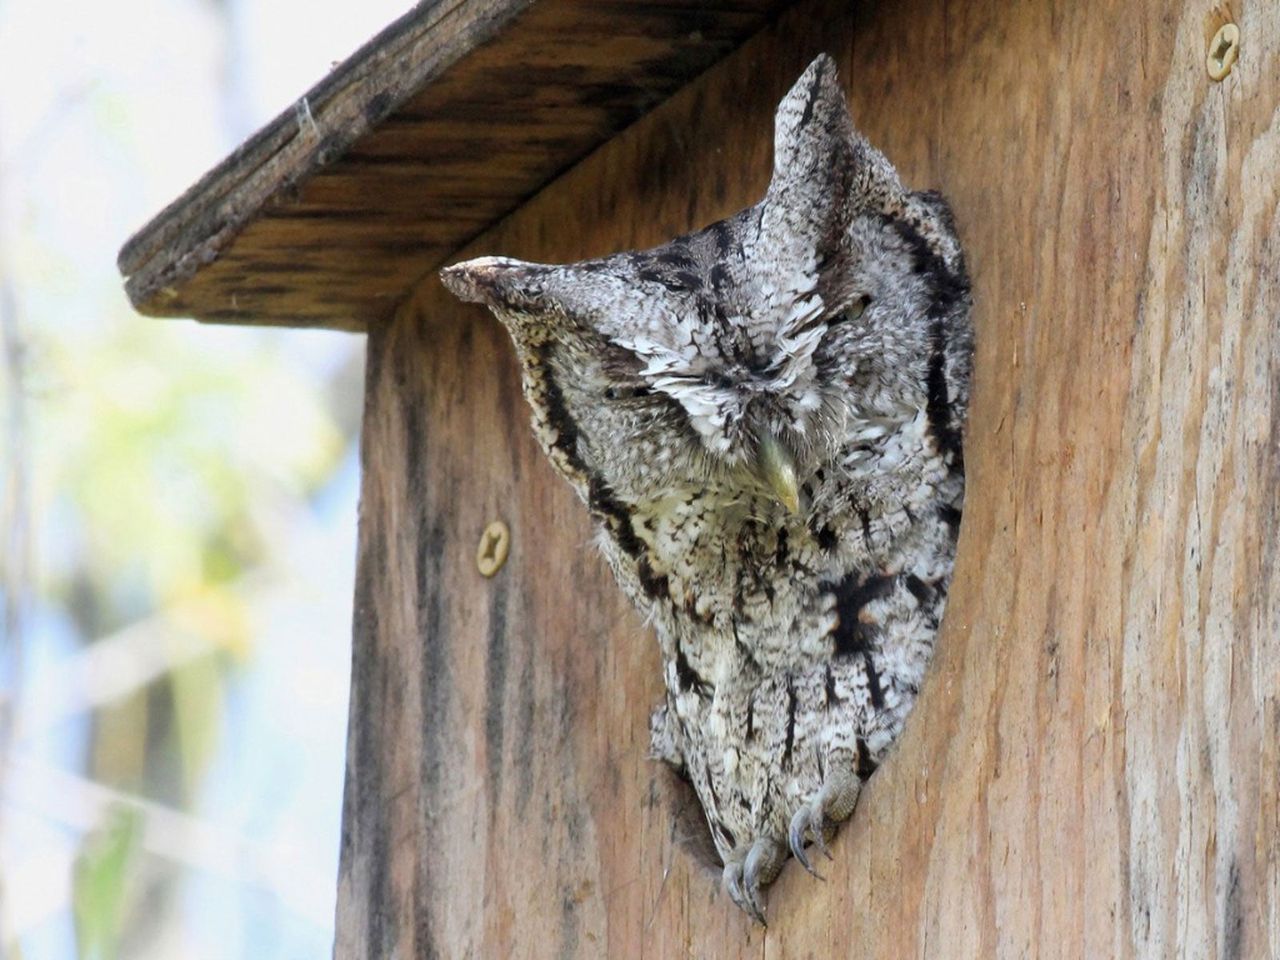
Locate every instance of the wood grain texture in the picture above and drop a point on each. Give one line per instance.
(1094, 765)
(433, 131)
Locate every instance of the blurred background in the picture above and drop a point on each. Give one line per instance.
(177, 507)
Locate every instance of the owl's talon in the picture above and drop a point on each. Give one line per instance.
(820, 816)
(763, 863)
(820, 842)
(744, 877)
(733, 884)
(754, 907)
(795, 837)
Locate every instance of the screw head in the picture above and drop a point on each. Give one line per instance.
(495, 543)
(1223, 50)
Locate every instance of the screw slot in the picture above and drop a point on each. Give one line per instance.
(1223, 50)
(495, 543)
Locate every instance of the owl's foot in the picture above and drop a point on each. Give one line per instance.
(751, 868)
(819, 817)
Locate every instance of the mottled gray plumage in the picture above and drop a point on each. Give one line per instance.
(765, 418)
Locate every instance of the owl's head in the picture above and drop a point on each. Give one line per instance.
(743, 355)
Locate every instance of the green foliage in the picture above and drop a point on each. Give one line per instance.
(100, 884)
(197, 705)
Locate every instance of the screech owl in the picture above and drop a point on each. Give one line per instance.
(766, 419)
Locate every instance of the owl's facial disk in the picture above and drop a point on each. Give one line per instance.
(694, 388)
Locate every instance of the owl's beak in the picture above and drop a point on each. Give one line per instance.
(777, 468)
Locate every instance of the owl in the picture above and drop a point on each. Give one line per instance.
(765, 419)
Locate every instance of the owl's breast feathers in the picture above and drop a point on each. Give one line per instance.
(787, 643)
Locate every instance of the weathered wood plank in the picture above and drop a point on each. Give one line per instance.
(1094, 766)
(500, 95)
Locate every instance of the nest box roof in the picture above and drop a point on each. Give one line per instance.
(436, 128)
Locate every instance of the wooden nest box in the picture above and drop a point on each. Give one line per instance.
(1093, 769)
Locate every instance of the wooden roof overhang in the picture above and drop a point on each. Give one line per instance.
(435, 129)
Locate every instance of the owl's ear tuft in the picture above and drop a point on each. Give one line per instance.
(812, 128)
(498, 282)
(824, 170)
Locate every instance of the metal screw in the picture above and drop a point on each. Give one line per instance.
(1223, 50)
(492, 552)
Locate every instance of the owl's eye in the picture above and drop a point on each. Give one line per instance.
(626, 391)
(851, 312)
